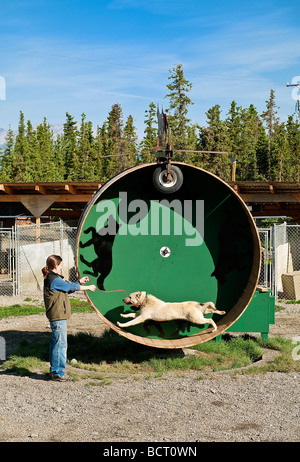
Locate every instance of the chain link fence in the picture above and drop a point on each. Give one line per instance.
(34, 244)
(7, 262)
(266, 271)
(287, 262)
(24, 250)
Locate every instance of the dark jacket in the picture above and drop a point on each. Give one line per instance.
(57, 302)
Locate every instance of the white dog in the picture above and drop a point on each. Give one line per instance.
(152, 308)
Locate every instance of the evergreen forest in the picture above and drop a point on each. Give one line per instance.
(264, 147)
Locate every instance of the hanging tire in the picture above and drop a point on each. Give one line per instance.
(165, 183)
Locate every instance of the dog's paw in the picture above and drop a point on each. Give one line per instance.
(122, 315)
(118, 324)
(222, 312)
(214, 329)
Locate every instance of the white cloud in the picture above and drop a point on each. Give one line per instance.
(225, 56)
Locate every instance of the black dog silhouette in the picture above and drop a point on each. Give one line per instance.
(102, 241)
(229, 257)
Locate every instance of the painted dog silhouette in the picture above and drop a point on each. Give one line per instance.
(102, 241)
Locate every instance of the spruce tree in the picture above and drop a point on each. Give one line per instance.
(279, 154)
(271, 120)
(115, 144)
(191, 142)
(97, 156)
(179, 102)
(102, 151)
(148, 143)
(130, 145)
(58, 159)
(247, 169)
(72, 163)
(85, 151)
(21, 168)
(6, 172)
(214, 137)
(293, 143)
(234, 128)
(43, 158)
(262, 153)
(34, 158)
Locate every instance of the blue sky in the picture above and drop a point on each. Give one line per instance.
(84, 56)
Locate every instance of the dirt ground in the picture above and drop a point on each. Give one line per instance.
(172, 408)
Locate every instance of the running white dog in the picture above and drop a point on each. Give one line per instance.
(152, 308)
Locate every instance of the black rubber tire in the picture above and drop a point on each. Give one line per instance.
(160, 179)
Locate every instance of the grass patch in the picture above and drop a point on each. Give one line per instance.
(290, 302)
(24, 366)
(282, 363)
(232, 352)
(115, 355)
(78, 306)
(20, 310)
(101, 358)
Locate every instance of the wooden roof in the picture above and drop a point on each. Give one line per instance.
(277, 198)
(67, 199)
(63, 199)
(57, 188)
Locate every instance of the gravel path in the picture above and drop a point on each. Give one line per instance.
(175, 408)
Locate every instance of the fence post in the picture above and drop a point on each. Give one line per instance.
(17, 258)
(2, 349)
(13, 260)
(61, 235)
(276, 241)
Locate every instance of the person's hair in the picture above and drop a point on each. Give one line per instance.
(52, 262)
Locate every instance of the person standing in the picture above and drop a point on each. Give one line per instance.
(58, 311)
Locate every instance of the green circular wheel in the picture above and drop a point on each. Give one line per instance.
(199, 243)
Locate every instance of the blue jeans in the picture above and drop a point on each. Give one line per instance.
(58, 347)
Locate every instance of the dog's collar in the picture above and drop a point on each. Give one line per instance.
(140, 305)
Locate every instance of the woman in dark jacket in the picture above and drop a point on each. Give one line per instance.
(58, 311)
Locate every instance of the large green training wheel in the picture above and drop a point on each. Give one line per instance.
(199, 243)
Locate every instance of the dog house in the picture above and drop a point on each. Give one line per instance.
(196, 241)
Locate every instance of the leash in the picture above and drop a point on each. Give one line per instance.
(116, 290)
(107, 291)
